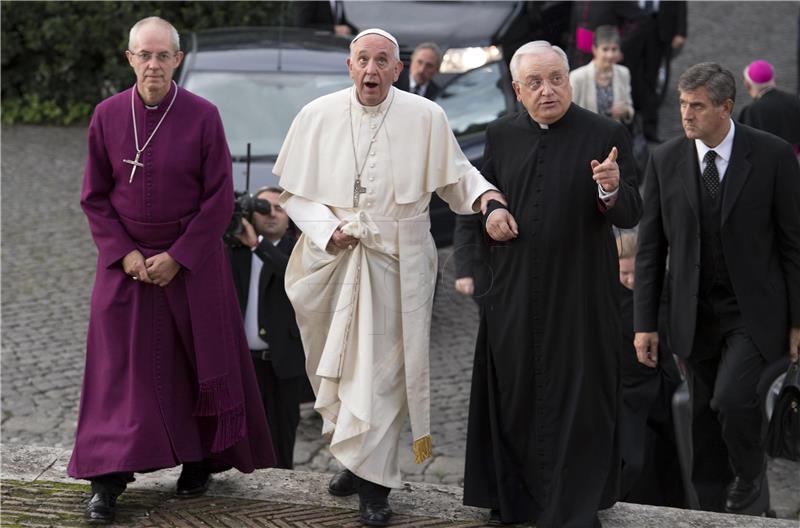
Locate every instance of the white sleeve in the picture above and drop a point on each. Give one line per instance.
(314, 219)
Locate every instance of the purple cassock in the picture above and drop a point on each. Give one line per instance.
(168, 378)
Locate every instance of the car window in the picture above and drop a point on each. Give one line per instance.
(474, 99)
(258, 107)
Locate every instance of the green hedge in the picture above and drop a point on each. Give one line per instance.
(61, 58)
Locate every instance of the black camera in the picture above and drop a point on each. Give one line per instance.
(244, 205)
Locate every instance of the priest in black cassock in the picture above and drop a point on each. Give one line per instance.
(542, 440)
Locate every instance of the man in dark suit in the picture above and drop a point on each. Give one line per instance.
(324, 15)
(724, 204)
(272, 335)
(772, 110)
(425, 63)
(660, 31)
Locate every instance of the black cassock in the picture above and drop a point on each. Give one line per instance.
(541, 440)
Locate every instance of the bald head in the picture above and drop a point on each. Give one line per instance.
(153, 21)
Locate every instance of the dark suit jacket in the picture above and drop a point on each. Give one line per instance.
(776, 112)
(760, 233)
(276, 320)
(403, 84)
(671, 20)
(319, 15)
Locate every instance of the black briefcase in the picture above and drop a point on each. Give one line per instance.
(783, 435)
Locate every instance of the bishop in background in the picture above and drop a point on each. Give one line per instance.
(358, 167)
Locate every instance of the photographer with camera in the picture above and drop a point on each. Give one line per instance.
(259, 247)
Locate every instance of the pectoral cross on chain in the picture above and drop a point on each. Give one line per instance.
(358, 190)
(135, 163)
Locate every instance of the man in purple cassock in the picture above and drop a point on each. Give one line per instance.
(168, 376)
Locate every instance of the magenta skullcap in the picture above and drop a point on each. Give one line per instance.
(760, 71)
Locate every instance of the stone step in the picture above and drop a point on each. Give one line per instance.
(37, 492)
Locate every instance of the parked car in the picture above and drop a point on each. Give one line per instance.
(259, 78)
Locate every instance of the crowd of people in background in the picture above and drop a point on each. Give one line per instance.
(589, 319)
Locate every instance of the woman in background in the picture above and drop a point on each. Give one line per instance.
(603, 86)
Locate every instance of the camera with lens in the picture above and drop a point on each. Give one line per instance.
(244, 205)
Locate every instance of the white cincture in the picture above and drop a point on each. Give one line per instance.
(135, 162)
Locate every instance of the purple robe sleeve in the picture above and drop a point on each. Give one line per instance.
(205, 230)
(111, 238)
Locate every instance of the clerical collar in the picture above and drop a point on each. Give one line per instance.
(377, 109)
(157, 106)
(542, 126)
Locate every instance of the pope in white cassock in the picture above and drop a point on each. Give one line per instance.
(358, 167)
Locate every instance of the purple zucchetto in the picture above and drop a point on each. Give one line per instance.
(760, 71)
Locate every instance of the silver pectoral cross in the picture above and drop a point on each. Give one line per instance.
(135, 163)
(358, 190)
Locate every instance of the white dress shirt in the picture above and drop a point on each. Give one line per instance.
(723, 151)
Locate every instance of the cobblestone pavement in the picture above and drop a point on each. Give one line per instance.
(48, 264)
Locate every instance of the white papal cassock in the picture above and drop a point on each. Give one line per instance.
(364, 315)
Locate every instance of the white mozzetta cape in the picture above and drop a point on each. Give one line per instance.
(316, 160)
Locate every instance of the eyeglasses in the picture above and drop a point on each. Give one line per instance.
(557, 79)
(143, 57)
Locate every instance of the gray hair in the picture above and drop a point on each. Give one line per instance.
(536, 47)
(176, 39)
(717, 80)
(430, 46)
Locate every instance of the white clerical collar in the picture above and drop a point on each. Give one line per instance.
(542, 125)
(377, 109)
(724, 148)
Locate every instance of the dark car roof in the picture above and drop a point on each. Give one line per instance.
(267, 49)
(449, 24)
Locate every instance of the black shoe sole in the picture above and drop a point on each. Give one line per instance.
(191, 493)
(98, 521)
(374, 523)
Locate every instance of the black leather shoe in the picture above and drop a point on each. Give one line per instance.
(342, 484)
(375, 512)
(101, 508)
(742, 493)
(193, 481)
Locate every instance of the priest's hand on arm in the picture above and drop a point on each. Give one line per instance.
(162, 268)
(340, 241)
(465, 286)
(606, 174)
(646, 344)
(134, 265)
(500, 225)
(491, 195)
(794, 344)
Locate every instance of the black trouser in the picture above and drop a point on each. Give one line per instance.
(643, 52)
(116, 483)
(369, 491)
(727, 422)
(112, 483)
(281, 399)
